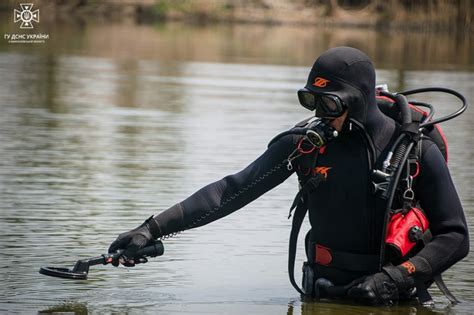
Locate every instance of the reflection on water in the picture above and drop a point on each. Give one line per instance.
(257, 44)
(106, 125)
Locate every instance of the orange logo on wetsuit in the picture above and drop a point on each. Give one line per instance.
(320, 82)
(323, 170)
(409, 266)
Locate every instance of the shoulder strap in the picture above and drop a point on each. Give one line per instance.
(298, 217)
(298, 129)
(422, 291)
(435, 133)
(443, 288)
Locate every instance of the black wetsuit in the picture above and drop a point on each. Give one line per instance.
(342, 209)
(343, 199)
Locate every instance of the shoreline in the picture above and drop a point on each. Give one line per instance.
(440, 16)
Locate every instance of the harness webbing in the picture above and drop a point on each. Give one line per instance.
(300, 208)
(421, 289)
(298, 217)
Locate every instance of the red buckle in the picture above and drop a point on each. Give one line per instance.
(323, 255)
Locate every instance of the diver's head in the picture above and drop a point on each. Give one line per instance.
(341, 79)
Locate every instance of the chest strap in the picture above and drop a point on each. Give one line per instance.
(329, 257)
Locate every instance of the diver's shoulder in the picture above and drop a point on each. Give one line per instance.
(293, 134)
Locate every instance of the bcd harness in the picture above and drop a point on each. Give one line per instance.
(406, 228)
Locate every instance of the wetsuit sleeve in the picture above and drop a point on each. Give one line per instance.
(231, 193)
(440, 201)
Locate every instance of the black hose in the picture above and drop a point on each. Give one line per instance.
(430, 113)
(443, 90)
(405, 110)
(401, 145)
(391, 189)
(398, 155)
(394, 146)
(402, 103)
(402, 142)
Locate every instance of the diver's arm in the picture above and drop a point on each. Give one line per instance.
(439, 199)
(211, 202)
(231, 193)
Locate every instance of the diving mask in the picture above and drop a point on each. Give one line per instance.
(326, 105)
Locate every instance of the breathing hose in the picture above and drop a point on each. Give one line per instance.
(394, 164)
(402, 156)
(441, 90)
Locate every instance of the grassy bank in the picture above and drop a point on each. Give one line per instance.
(449, 15)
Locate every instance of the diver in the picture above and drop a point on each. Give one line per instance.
(350, 138)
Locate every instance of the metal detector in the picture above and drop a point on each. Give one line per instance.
(81, 268)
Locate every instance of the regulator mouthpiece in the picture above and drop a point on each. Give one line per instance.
(319, 133)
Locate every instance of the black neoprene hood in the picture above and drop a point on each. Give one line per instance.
(348, 73)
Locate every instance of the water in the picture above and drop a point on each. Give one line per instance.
(105, 125)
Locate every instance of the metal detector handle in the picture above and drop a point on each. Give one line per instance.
(154, 250)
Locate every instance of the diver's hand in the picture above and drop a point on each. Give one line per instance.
(130, 242)
(382, 288)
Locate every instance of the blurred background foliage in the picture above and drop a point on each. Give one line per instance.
(446, 15)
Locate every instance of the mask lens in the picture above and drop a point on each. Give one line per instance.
(307, 99)
(329, 104)
(326, 105)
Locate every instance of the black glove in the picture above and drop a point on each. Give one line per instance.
(382, 288)
(134, 240)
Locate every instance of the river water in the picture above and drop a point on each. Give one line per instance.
(104, 125)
